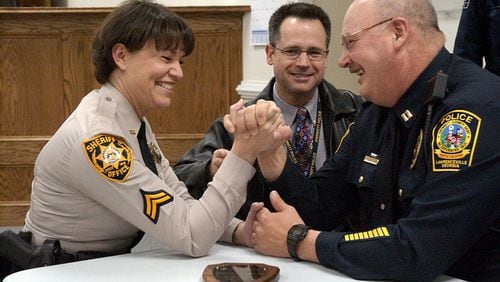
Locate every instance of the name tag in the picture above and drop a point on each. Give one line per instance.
(371, 159)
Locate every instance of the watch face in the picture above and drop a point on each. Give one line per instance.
(298, 231)
(295, 234)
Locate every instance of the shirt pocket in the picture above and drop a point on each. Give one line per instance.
(362, 175)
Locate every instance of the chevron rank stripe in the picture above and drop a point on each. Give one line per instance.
(153, 200)
(379, 232)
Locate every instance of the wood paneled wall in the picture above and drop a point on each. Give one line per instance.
(45, 70)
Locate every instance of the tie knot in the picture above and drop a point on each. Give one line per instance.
(302, 114)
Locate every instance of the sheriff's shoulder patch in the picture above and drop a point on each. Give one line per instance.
(153, 201)
(110, 156)
(454, 140)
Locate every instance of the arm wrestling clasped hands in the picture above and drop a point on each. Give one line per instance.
(264, 230)
(251, 127)
(258, 128)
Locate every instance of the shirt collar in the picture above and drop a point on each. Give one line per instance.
(289, 111)
(127, 117)
(413, 100)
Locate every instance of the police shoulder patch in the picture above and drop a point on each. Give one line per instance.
(153, 200)
(110, 156)
(454, 140)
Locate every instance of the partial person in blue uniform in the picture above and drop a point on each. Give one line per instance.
(478, 36)
(421, 160)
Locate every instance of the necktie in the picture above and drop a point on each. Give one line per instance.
(150, 163)
(146, 154)
(302, 141)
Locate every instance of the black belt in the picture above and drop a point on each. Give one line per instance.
(64, 257)
(17, 253)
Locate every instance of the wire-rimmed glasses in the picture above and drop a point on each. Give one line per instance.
(313, 54)
(348, 38)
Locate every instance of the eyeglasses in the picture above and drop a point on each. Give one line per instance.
(349, 38)
(293, 53)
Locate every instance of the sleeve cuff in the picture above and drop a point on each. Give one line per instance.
(227, 236)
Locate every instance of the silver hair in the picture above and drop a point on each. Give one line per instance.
(421, 13)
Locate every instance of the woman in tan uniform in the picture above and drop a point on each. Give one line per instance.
(96, 186)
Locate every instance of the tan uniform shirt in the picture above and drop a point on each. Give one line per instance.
(92, 190)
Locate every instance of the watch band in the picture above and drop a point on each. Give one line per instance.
(296, 234)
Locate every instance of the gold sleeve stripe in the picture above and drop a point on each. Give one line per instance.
(385, 231)
(379, 232)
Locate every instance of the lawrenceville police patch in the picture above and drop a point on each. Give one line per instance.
(110, 156)
(454, 140)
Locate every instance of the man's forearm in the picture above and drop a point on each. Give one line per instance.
(272, 163)
(306, 249)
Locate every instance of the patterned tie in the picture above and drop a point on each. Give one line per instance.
(302, 141)
(146, 154)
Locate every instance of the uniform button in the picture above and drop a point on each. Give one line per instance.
(382, 206)
(400, 192)
(108, 99)
(361, 178)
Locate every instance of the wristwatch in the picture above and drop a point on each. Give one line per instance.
(296, 234)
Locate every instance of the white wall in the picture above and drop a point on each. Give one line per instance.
(341, 78)
(256, 72)
(448, 12)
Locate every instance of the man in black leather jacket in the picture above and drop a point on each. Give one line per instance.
(294, 29)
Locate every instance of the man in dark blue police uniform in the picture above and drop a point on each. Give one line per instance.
(421, 160)
(478, 35)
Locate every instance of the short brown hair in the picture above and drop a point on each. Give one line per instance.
(303, 11)
(133, 24)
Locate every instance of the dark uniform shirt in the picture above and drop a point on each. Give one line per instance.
(431, 196)
(478, 33)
